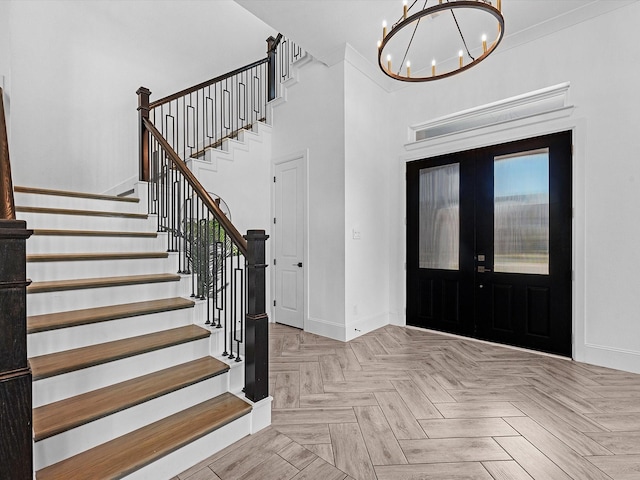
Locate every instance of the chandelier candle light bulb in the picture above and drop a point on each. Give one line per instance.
(433, 68)
(404, 9)
(389, 62)
(484, 44)
(408, 69)
(384, 29)
(460, 54)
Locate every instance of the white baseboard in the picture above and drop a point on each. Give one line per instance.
(260, 414)
(344, 333)
(366, 325)
(627, 360)
(325, 328)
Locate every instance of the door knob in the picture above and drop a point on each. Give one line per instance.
(299, 264)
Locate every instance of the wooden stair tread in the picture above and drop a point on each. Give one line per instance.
(92, 233)
(45, 366)
(70, 257)
(88, 213)
(53, 321)
(126, 454)
(66, 193)
(58, 417)
(82, 283)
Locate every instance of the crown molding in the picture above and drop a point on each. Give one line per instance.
(554, 99)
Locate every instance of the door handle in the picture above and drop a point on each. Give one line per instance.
(482, 269)
(299, 264)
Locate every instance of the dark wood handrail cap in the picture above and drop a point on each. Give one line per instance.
(14, 229)
(256, 235)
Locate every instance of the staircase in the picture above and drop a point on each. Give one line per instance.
(124, 381)
(135, 370)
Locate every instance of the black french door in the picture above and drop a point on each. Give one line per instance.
(489, 243)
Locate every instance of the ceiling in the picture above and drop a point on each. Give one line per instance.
(322, 27)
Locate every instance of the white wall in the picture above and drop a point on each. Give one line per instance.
(599, 58)
(313, 119)
(339, 114)
(367, 170)
(240, 176)
(76, 67)
(5, 56)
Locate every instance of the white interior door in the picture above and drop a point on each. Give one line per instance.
(288, 226)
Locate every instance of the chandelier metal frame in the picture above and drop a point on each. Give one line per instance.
(446, 5)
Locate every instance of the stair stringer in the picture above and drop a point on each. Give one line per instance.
(293, 79)
(240, 175)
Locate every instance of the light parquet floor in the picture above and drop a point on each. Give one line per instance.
(400, 404)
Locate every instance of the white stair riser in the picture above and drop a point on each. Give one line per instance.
(43, 343)
(67, 270)
(218, 345)
(72, 442)
(50, 302)
(236, 375)
(73, 244)
(59, 201)
(74, 383)
(196, 451)
(48, 271)
(85, 222)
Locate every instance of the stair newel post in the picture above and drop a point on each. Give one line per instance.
(15, 375)
(143, 112)
(256, 322)
(272, 46)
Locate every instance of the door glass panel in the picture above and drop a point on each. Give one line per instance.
(439, 224)
(521, 213)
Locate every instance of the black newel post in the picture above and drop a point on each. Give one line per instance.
(15, 374)
(271, 74)
(16, 455)
(256, 367)
(143, 112)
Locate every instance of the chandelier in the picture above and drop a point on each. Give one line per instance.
(427, 33)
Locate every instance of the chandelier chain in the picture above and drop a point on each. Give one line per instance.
(461, 35)
(406, 52)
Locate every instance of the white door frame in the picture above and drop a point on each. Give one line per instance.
(543, 122)
(304, 156)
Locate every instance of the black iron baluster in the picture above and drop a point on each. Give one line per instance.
(193, 211)
(217, 280)
(223, 292)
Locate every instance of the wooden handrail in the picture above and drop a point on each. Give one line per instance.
(7, 205)
(189, 90)
(213, 207)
